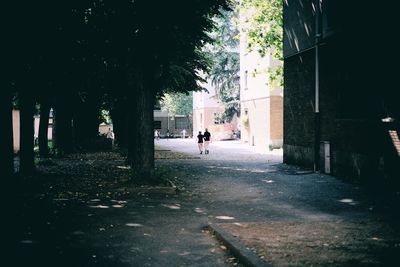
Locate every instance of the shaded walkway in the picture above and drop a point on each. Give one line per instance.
(84, 214)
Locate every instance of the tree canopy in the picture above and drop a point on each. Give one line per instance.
(225, 68)
(177, 103)
(88, 54)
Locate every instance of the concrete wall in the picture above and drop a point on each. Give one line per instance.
(276, 121)
(205, 99)
(257, 131)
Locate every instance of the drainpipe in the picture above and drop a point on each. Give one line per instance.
(317, 122)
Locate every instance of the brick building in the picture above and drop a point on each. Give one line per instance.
(340, 113)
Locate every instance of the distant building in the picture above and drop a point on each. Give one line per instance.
(172, 125)
(207, 113)
(261, 101)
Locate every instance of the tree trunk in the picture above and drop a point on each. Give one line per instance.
(141, 136)
(6, 141)
(86, 120)
(54, 130)
(27, 105)
(190, 125)
(43, 129)
(119, 116)
(64, 127)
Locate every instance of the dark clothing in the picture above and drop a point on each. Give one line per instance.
(200, 138)
(207, 136)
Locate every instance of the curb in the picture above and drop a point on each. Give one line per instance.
(245, 256)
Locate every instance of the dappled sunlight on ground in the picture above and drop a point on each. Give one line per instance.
(91, 206)
(134, 224)
(268, 181)
(200, 210)
(100, 207)
(172, 207)
(223, 217)
(348, 201)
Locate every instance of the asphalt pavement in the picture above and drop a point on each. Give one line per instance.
(234, 183)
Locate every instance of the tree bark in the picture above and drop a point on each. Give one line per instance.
(54, 130)
(64, 127)
(86, 120)
(6, 141)
(27, 105)
(141, 136)
(43, 129)
(119, 116)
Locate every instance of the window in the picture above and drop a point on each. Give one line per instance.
(219, 118)
(157, 124)
(181, 123)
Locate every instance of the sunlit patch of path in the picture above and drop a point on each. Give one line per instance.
(230, 150)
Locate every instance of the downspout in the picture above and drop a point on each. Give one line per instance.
(317, 122)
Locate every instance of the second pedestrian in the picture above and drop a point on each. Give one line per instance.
(207, 140)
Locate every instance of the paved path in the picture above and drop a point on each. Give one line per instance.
(222, 150)
(232, 183)
(244, 184)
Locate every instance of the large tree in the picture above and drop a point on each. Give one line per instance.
(158, 53)
(225, 68)
(6, 140)
(83, 47)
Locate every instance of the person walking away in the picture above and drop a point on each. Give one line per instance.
(200, 139)
(207, 140)
(156, 135)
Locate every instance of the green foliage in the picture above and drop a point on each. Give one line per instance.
(177, 103)
(105, 116)
(264, 29)
(224, 73)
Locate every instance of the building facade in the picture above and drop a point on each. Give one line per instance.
(339, 110)
(261, 100)
(207, 113)
(171, 126)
